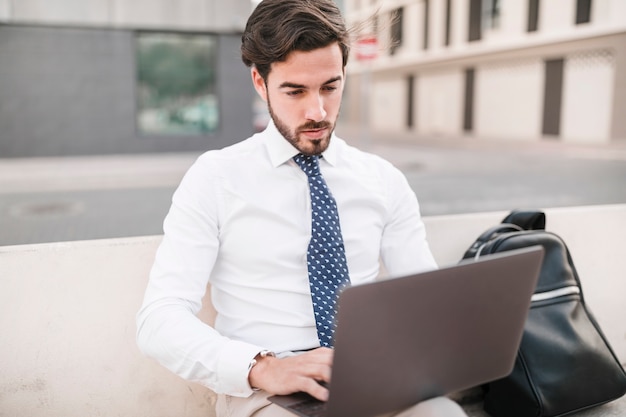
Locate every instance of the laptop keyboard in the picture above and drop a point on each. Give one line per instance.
(310, 407)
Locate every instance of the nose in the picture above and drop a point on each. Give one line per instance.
(315, 108)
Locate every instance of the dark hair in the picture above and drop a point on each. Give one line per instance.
(278, 27)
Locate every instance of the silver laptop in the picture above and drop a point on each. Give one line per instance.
(405, 340)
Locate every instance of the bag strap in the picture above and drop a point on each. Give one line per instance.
(497, 230)
(527, 219)
(487, 236)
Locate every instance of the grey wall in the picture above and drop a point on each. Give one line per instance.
(187, 15)
(71, 91)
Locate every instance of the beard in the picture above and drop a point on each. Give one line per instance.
(306, 147)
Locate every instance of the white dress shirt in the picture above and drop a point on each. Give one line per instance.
(241, 221)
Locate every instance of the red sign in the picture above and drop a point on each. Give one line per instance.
(367, 48)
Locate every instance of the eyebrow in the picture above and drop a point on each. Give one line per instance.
(288, 84)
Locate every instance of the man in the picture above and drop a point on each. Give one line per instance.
(244, 220)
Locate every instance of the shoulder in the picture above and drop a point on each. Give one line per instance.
(225, 159)
(363, 161)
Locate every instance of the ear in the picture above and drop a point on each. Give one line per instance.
(259, 83)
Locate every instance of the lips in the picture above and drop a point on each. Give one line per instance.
(315, 130)
(314, 133)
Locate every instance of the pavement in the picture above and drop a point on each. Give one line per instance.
(48, 199)
(89, 197)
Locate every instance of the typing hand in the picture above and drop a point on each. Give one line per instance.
(295, 373)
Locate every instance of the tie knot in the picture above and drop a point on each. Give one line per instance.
(309, 164)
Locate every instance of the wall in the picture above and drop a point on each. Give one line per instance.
(388, 104)
(72, 91)
(588, 96)
(509, 99)
(439, 110)
(67, 315)
(509, 68)
(213, 15)
(68, 310)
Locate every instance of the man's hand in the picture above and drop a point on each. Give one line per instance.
(295, 373)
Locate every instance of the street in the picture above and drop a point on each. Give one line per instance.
(95, 197)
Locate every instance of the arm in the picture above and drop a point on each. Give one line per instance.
(167, 327)
(404, 248)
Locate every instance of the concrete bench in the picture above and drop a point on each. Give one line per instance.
(68, 331)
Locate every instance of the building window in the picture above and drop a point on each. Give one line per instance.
(468, 102)
(552, 97)
(491, 14)
(583, 11)
(410, 87)
(484, 15)
(448, 22)
(176, 92)
(533, 15)
(475, 10)
(396, 30)
(426, 23)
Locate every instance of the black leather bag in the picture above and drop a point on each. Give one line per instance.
(564, 363)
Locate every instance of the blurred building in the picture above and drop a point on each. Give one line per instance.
(507, 70)
(117, 76)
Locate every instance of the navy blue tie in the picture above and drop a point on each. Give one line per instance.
(326, 257)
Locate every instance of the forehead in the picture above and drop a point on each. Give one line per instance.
(308, 67)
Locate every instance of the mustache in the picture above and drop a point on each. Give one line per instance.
(315, 126)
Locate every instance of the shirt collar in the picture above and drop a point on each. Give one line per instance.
(281, 151)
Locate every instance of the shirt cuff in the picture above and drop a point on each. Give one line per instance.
(234, 367)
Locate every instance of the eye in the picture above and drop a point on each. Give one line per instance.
(329, 88)
(294, 93)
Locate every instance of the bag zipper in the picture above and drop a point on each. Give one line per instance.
(559, 292)
(479, 250)
(542, 296)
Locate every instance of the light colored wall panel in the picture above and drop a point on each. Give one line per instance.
(618, 122)
(587, 97)
(439, 104)
(189, 13)
(618, 12)
(84, 12)
(556, 15)
(5, 10)
(413, 28)
(388, 104)
(186, 14)
(419, 14)
(512, 23)
(608, 13)
(459, 22)
(514, 18)
(164, 14)
(437, 24)
(509, 99)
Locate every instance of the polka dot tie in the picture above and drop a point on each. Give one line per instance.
(326, 257)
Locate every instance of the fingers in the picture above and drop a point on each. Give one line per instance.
(321, 356)
(315, 367)
(295, 373)
(315, 389)
(318, 363)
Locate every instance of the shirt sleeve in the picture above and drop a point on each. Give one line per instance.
(404, 248)
(168, 328)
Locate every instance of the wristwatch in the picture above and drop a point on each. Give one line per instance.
(262, 354)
